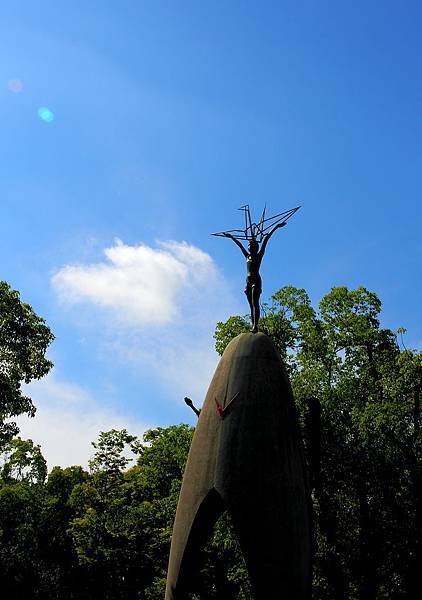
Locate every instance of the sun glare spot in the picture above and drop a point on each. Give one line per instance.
(15, 85)
(45, 114)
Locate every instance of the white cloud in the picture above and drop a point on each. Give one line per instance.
(140, 284)
(67, 420)
(162, 305)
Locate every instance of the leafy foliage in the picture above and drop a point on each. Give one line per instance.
(22, 461)
(24, 339)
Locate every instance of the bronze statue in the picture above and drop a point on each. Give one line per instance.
(257, 236)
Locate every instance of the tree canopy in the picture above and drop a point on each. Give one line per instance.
(24, 339)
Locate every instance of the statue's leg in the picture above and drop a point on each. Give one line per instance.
(192, 528)
(255, 294)
(271, 541)
(248, 292)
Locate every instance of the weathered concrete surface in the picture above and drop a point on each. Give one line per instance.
(246, 457)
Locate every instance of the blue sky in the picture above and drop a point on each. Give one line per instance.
(167, 117)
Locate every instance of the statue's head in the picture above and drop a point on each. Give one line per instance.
(253, 246)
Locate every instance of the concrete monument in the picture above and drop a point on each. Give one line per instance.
(246, 457)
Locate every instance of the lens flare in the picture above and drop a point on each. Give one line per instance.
(15, 85)
(45, 114)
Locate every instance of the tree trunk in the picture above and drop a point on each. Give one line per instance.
(367, 562)
(332, 567)
(414, 584)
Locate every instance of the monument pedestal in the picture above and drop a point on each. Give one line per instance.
(246, 457)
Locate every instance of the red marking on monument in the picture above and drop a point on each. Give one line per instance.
(220, 409)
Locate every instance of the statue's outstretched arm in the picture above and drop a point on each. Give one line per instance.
(229, 235)
(189, 402)
(267, 237)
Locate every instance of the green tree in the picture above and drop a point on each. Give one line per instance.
(24, 339)
(23, 461)
(123, 517)
(109, 457)
(22, 478)
(62, 577)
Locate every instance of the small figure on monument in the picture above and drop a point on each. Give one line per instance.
(189, 402)
(257, 236)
